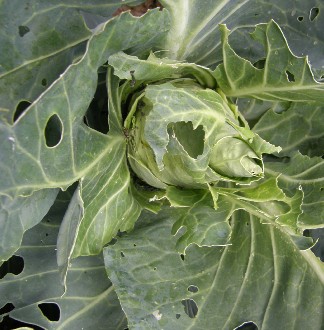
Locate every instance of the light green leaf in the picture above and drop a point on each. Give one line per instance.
(268, 202)
(28, 161)
(108, 203)
(299, 128)
(68, 233)
(201, 107)
(89, 300)
(307, 173)
(262, 277)
(20, 214)
(287, 79)
(155, 68)
(194, 210)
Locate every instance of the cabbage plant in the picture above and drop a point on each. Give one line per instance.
(161, 164)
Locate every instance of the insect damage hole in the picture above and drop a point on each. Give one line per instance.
(20, 109)
(313, 13)
(22, 30)
(53, 131)
(247, 326)
(290, 76)
(50, 310)
(14, 265)
(260, 64)
(190, 307)
(193, 288)
(192, 140)
(7, 308)
(96, 116)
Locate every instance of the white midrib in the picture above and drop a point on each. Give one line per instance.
(179, 25)
(269, 90)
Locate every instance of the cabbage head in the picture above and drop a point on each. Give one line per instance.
(182, 131)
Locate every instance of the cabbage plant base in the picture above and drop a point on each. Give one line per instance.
(200, 218)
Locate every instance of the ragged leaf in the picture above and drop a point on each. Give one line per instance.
(254, 279)
(307, 173)
(29, 158)
(284, 77)
(203, 225)
(39, 41)
(299, 128)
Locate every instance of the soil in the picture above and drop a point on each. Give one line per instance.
(139, 10)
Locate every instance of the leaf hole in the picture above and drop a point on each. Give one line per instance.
(300, 18)
(321, 189)
(113, 241)
(96, 116)
(154, 268)
(313, 13)
(7, 308)
(182, 257)
(20, 109)
(14, 265)
(122, 254)
(260, 64)
(190, 307)
(44, 82)
(178, 316)
(22, 30)
(192, 140)
(192, 288)
(290, 76)
(53, 131)
(247, 326)
(134, 244)
(9, 323)
(50, 310)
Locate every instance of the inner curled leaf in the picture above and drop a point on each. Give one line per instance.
(191, 139)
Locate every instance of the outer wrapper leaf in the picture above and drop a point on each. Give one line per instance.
(89, 300)
(39, 40)
(81, 153)
(284, 77)
(28, 162)
(254, 279)
(307, 173)
(194, 210)
(20, 214)
(195, 34)
(299, 128)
